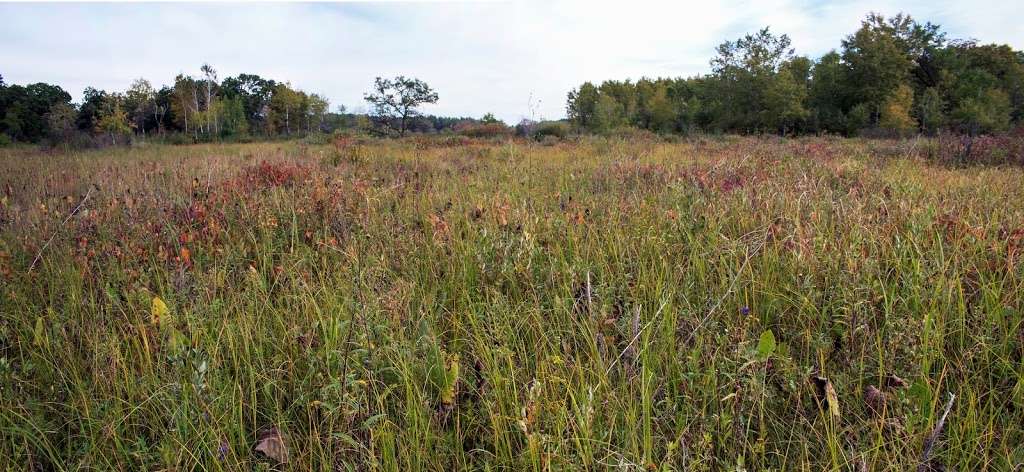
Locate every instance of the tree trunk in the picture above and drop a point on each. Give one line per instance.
(195, 101)
(184, 113)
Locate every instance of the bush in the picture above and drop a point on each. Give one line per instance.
(525, 128)
(555, 129)
(5, 140)
(550, 140)
(960, 149)
(486, 130)
(630, 133)
(317, 138)
(178, 138)
(347, 148)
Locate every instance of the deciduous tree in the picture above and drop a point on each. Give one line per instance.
(398, 100)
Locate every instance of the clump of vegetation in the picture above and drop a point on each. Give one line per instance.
(719, 303)
(549, 130)
(486, 130)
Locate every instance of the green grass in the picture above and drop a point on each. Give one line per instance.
(590, 305)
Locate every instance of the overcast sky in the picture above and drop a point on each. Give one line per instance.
(498, 57)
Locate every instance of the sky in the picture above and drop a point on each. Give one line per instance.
(516, 58)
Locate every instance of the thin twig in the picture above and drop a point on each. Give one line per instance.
(39, 255)
(590, 298)
(930, 442)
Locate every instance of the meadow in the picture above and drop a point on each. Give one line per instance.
(712, 303)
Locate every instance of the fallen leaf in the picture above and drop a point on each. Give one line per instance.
(874, 399)
(271, 444)
(893, 381)
(827, 393)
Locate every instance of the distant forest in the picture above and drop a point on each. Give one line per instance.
(893, 76)
(191, 109)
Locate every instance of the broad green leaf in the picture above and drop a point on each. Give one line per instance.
(766, 345)
(39, 332)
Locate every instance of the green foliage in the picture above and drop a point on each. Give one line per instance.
(608, 114)
(61, 122)
(233, 119)
(766, 345)
(492, 129)
(826, 95)
(881, 55)
(113, 120)
(758, 85)
(396, 101)
(986, 113)
(554, 129)
(858, 118)
(23, 109)
(930, 110)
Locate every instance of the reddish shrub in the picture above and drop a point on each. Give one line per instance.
(266, 174)
(1003, 148)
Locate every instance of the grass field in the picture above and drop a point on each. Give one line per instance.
(713, 304)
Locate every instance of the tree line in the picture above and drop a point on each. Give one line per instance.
(893, 76)
(204, 108)
(200, 107)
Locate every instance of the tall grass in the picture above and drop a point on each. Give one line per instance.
(590, 305)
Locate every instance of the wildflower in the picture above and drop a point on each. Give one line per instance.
(222, 451)
(745, 311)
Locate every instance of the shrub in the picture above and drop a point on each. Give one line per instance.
(525, 128)
(5, 140)
(961, 149)
(555, 129)
(317, 138)
(631, 133)
(178, 138)
(348, 148)
(486, 130)
(273, 174)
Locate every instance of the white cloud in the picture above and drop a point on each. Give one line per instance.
(479, 56)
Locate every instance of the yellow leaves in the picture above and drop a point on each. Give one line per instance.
(160, 317)
(158, 311)
(451, 380)
(39, 333)
(272, 445)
